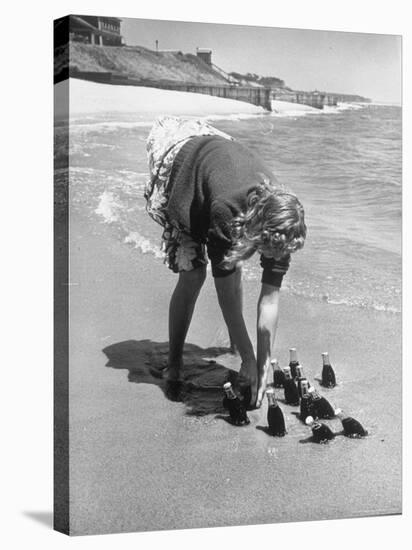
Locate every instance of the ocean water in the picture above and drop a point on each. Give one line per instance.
(344, 164)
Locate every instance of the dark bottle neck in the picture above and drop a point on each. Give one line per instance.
(325, 359)
(293, 356)
(230, 394)
(275, 365)
(299, 371)
(271, 399)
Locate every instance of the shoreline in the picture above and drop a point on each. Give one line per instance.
(91, 98)
(132, 451)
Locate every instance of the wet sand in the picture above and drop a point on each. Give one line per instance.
(140, 462)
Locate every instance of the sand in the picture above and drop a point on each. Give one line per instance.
(141, 462)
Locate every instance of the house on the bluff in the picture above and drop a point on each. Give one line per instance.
(103, 31)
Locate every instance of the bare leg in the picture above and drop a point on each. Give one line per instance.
(181, 309)
(233, 348)
(232, 345)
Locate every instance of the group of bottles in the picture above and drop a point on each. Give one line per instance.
(322, 433)
(297, 391)
(313, 406)
(295, 371)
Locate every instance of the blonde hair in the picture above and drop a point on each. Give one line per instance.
(274, 218)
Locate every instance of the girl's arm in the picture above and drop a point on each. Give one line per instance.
(229, 293)
(267, 320)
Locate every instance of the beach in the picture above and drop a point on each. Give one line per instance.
(139, 462)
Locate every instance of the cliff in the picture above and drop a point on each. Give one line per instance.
(138, 63)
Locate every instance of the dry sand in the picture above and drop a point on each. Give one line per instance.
(141, 462)
(90, 97)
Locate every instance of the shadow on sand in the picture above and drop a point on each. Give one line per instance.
(202, 376)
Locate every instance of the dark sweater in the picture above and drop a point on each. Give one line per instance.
(209, 184)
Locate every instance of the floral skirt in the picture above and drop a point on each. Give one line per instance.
(166, 138)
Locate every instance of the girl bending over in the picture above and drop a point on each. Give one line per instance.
(217, 200)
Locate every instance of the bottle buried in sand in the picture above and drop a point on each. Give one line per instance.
(321, 406)
(291, 390)
(278, 375)
(293, 361)
(276, 420)
(306, 407)
(321, 432)
(234, 405)
(328, 374)
(299, 379)
(351, 427)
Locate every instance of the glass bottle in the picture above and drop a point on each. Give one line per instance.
(276, 420)
(351, 427)
(299, 378)
(235, 406)
(328, 374)
(291, 390)
(278, 375)
(293, 361)
(321, 432)
(306, 407)
(321, 406)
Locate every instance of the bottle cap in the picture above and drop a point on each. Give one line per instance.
(227, 386)
(309, 420)
(274, 362)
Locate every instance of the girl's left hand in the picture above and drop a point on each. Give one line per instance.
(248, 377)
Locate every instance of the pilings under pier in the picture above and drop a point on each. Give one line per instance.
(313, 99)
(257, 96)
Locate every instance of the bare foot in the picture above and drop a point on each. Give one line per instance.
(174, 390)
(174, 383)
(171, 375)
(173, 371)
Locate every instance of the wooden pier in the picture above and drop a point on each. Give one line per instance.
(314, 99)
(251, 94)
(257, 96)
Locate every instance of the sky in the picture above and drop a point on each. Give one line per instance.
(364, 64)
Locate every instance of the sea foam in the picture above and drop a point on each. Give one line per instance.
(143, 244)
(108, 207)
